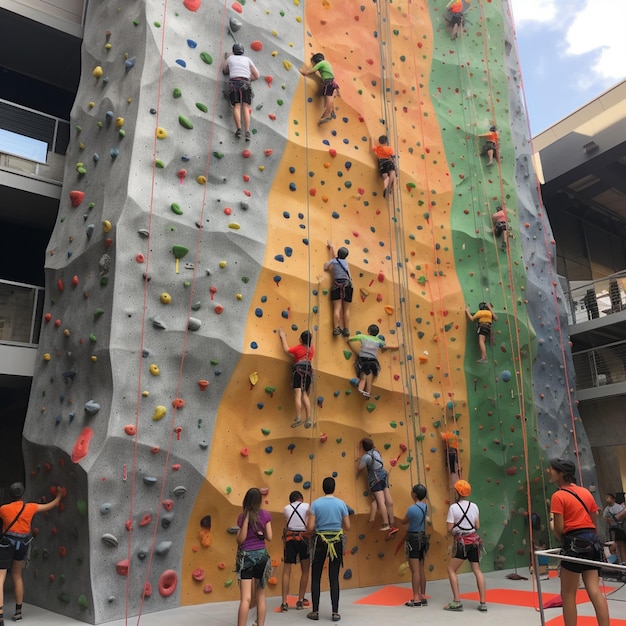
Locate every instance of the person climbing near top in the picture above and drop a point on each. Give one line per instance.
(302, 375)
(490, 149)
(329, 86)
(386, 163)
(367, 365)
(341, 292)
(240, 71)
(483, 318)
(455, 16)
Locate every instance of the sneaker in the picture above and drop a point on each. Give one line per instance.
(345, 332)
(424, 602)
(308, 424)
(324, 120)
(393, 530)
(297, 422)
(284, 607)
(453, 606)
(238, 133)
(366, 394)
(482, 361)
(299, 605)
(482, 607)
(337, 331)
(385, 528)
(333, 114)
(413, 603)
(247, 135)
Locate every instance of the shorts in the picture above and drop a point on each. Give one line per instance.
(256, 571)
(484, 330)
(240, 91)
(14, 549)
(296, 549)
(456, 18)
(490, 145)
(385, 166)
(466, 551)
(329, 87)
(417, 545)
(617, 533)
(583, 545)
(342, 291)
(381, 484)
(368, 366)
(302, 377)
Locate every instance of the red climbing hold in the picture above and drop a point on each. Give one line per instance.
(247, 193)
(203, 384)
(312, 191)
(246, 154)
(168, 505)
(130, 429)
(47, 317)
(145, 520)
(60, 284)
(122, 567)
(237, 7)
(76, 197)
(332, 152)
(198, 574)
(168, 581)
(268, 80)
(219, 309)
(256, 45)
(81, 447)
(244, 451)
(381, 277)
(272, 116)
(323, 438)
(74, 281)
(147, 590)
(178, 403)
(182, 174)
(192, 5)
(228, 211)
(268, 152)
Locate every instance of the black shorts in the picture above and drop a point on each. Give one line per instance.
(302, 377)
(12, 550)
(368, 366)
(342, 291)
(417, 545)
(329, 87)
(466, 551)
(385, 166)
(490, 145)
(296, 549)
(484, 330)
(456, 18)
(256, 572)
(582, 545)
(381, 484)
(239, 91)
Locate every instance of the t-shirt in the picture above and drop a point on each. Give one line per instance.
(369, 346)
(483, 316)
(253, 541)
(295, 515)
(341, 271)
(383, 152)
(329, 513)
(240, 66)
(464, 514)
(610, 512)
(22, 525)
(302, 353)
(416, 515)
(325, 70)
(451, 439)
(455, 7)
(375, 469)
(492, 136)
(574, 515)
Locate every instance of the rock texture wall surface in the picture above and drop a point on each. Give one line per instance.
(162, 393)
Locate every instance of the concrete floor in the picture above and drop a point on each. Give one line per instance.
(225, 613)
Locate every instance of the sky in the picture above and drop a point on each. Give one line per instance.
(570, 52)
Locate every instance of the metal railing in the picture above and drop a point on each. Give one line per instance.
(597, 367)
(597, 298)
(21, 311)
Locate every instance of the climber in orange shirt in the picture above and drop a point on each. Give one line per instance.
(490, 149)
(386, 163)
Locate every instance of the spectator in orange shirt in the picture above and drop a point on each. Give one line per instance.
(386, 163)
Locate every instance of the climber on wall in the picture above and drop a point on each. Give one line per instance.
(499, 225)
(329, 86)
(483, 318)
(386, 163)
(455, 16)
(451, 440)
(490, 148)
(241, 71)
(341, 291)
(301, 375)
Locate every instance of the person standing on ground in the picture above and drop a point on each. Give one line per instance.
(296, 547)
(378, 482)
(417, 544)
(328, 518)
(253, 561)
(614, 515)
(484, 318)
(573, 520)
(16, 518)
(329, 86)
(302, 375)
(463, 522)
(342, 291)
(241, 72)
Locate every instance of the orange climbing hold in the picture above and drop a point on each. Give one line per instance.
(81, 447)
(257, 46)
(130, 429)
(192, 5)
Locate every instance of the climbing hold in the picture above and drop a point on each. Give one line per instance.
(76, 197)
(159, 413)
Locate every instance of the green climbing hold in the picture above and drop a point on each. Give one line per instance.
(393, 424)
(448, 327)
(228, 582)
(270, 390)
(228, 490)
(64, 597)
(82, 601)
(411, 185)
(269, 472)
(404, 466)
(81, 505)
(176, 208)
(92, 338)
(437, 424)
(370, 406)
(420, 437)
(179, 251)
(176, 92)
(214, 362)
(81, 170)
(279, 102)
(185, 123)
(339, 440)
(97, 313)
(266, 431)
(347, 354)
(79, 128)
(387, 446)
(202, 107)
(207, 58)
(104, 281)
(159, 164)
(218, 155)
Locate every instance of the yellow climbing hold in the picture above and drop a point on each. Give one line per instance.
(287, 64)
(106, 226)
(222, 264)
(389, 310)
(239, 296)
(92, 105)
(119, 122)
(46, 356)
(234, 226)
(154, 370)
(159, 413)
(97, 71)
(254, 378)
(161, 133)
(274, 53)
(166, 298)
(201, 180)
(404, 569)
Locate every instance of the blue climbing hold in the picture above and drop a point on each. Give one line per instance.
(505, 375)
(258, 312)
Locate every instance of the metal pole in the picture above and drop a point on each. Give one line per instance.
(539, 594)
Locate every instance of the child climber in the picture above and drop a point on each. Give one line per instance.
(341, 291)
(302, 375)
(483, 318)
(386, 163)
(329, 86)
(367, 365)
(490, 148)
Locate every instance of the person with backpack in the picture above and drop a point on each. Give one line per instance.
(296, 542)
(573, 520)
(417, 544)
(463, 522)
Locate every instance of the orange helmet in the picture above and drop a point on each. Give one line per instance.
(463, 488)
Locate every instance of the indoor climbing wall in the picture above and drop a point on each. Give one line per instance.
(162, 392)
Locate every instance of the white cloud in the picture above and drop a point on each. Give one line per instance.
(599, 28)
(533, 12)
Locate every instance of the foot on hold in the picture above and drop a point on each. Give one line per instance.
(393, 530)
(482, 607)
(308, 424)
(337, 331)
(482, 361)
(453, 606)
(297, 422)
(324, 120)
(284, 607)
(314, 615)
(247, 135)
(238, 133)
(345, 332)
(366, 394)
(385, 528)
